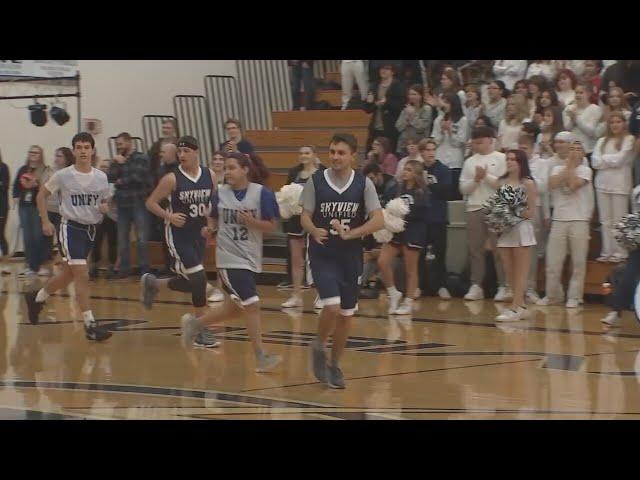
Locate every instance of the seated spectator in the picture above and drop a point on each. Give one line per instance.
(565, 84)
(385, 102)
(412, 154)
(416, 118)
(544, 68)
(496, 103)
(473, 107)
(382, 155)
(351, 70)
(573, 201)
(300, 75)
(235, 142)
(582, 118)
(510, 127)
(550, 126)
(509, 71)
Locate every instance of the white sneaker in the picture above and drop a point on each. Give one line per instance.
(405, 309)
(532, 296)
(572, 303)
(44, 272)
(293, 302)
(546, 301)
(316, 304)
(444, 294)
(603, 258)
(612, 318)
(474, 293)
(216, 296)
(507, 316)
(504, 295)
(394, 300)
(523, 312)
(418, 293)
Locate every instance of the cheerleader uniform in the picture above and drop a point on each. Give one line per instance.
(520, 235)
(414, 234)
(293, 227)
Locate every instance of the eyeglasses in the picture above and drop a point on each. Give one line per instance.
(34, 153)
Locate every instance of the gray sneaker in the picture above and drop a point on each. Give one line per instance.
(190, 329)
(149, 289)
(206, 339)
(319, 360)
(268, 363)
(336, 379)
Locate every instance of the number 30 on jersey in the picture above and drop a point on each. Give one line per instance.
(198, 210)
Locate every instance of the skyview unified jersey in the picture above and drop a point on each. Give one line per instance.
(192, 196)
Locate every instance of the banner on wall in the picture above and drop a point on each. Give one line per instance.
(38, 68)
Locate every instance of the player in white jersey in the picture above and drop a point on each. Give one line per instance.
(84, 192)
(243, 212)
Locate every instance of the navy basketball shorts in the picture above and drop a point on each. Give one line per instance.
(414, 236)
(187, 247)
(335, 275)
(293, 227)
(240, 285)
(76, 241)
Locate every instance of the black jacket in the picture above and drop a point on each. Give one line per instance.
(244, 146)
(440, 191)
(22, 193)
(395, 101)
(4, 189)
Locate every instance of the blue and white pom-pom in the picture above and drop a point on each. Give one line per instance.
(288, 199)
(393, 213)
(627, 231)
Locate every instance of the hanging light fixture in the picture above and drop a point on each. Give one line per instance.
(38, 114)
(59, 114)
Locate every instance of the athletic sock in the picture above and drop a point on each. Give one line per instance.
(42, 296)
(392, 291)
(87, 316)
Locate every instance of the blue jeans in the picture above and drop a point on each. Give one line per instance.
(137, 215)
(35, 247)
(623, 294)
(300, 75)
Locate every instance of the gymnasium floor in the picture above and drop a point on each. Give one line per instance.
(450, 362)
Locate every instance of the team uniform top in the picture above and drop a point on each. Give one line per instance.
(415, 230)
(192, 197)
(80, 194)
(239, 246)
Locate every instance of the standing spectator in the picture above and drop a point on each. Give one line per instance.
(626, 75)
(450, 83)
(521, 87)
(565, 83)
(550, 126)
(575, 66)
(473, 107)
(439, 183)
(634, 129)
(451, 132)
(582, 118)
(25, 188)
(615, 102)
(592, 76)
(351, 70)
(416, 118)
(613, 158)
(382, 155)
(573, 201)
(130, 174)
(412, 154)
(496, 103)
(4, 208)
(485, 166)
(509, 71)
(108, 228)
(217, 165)
(510, 127)
(537, 85)
(235, 142)
(301, 75)
(544, 68)
(386, 101)
(169, 130)
(376, 65)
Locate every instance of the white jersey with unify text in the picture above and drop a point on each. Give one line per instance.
(80, 194)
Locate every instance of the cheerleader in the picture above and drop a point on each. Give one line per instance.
(413, 190)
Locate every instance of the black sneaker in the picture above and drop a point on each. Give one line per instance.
(96, 333)
(206, 339)
(33, 308)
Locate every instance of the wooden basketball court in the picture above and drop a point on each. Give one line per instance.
(452, 361)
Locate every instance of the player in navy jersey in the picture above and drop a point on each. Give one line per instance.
(243, 212)
(413, 190)
(340, 206)
(189, 188)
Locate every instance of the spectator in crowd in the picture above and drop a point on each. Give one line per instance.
(537, 84)
(575, 66)
(451, 132)
(450, 83)
(169, 131)
(375, 66)
(235, 142)
(217, 165)
(25, 188)
(439, 184)
(515, 244)
(626, 75)
(416, 118)
(521, 87)
(485, 166)
(634, 129)
(496, 103)
(544, 68)
(4, 208)
(582, 118)
(565, 83)
(412, 154)
(509, 71)
(350, 71)
(573, 201)
(516, 113)
(258, 173)
(410, 242)
(108, 229)
(613, 158)
(473, 107)
(382, 155)
(433, 101)
(301, 75)
(550, 126)
(615, 101)
(385, 102)
(591, 75)
(547, 98)
(63, 158)
(130, 173)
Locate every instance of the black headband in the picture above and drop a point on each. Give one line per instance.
(187, 144)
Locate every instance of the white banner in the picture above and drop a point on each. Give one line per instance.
(38, 68)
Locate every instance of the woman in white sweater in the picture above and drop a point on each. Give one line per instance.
(510, 127)
(415, 119)
(615, 102)
(613, 157)
(566, 82)
(582, 117)
(451, 132)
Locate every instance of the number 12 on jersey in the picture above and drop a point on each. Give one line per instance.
(240, 233)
